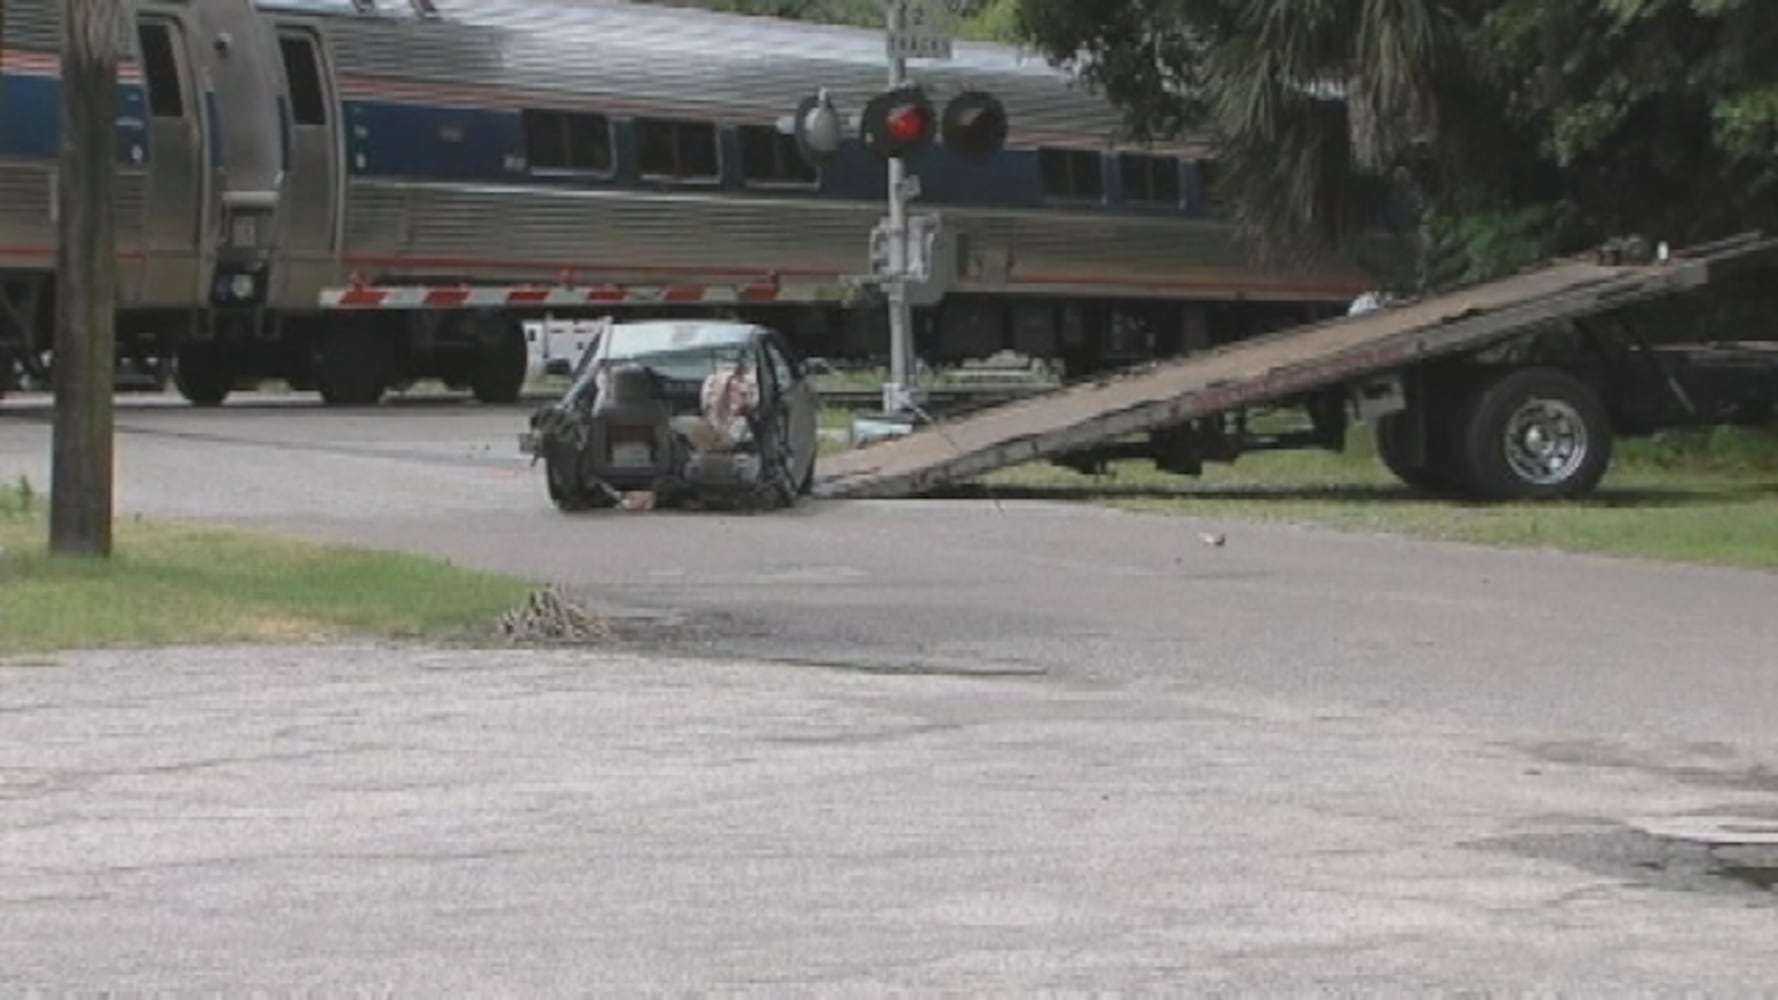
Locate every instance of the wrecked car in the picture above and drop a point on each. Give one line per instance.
(695, 412)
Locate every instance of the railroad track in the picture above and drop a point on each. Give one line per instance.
(949, 398)
(946, 399)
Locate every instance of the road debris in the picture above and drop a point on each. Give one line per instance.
(550, 616)
(637, 500)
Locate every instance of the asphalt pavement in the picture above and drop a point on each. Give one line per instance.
(866, 745)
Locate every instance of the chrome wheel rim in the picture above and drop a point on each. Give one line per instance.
(1546, 442)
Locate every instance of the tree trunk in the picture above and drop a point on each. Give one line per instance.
(86, 282)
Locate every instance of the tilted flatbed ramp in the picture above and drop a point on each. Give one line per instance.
(1264, 369)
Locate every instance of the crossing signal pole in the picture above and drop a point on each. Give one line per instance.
(897, 125)
(907, 125)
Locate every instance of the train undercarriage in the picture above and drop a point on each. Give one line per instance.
(348, 359)
(353, 357)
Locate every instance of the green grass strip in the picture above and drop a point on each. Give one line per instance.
(173, 584)
(1707, 497)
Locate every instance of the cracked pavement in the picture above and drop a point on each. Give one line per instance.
(867, 747)
(528, 822)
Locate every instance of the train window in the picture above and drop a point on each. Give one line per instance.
(682, 150)
(1150, 180)
(768, 156)
(160, 68)
(302, 74)
(1071, 173)
(546, 139)
(589, 143)
(567, 140)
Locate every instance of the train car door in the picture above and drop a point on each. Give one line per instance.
(310, 244)
(174, 186)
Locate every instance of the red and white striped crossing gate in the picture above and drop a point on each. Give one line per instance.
(358, 296)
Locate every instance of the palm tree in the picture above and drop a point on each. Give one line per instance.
(1326, 112)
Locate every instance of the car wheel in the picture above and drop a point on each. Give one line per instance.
(778, 486)
(568, 490)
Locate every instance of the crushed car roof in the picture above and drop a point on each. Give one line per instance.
(653, 336)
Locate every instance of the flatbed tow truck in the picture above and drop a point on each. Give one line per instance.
(1509, 390)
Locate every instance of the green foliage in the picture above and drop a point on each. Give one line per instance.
(1744, 121)
(1589, 118)
(1653, 116)
(997, 22)
(1147, 56)
(1484, 245)
(1708, 450)
(18, 500)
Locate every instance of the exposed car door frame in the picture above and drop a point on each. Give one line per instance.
(800, 402)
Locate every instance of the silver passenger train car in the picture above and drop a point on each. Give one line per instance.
(353, 194)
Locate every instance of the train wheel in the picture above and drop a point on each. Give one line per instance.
(201, 373)
(353, 369)
(499, 376)
(1536, 434)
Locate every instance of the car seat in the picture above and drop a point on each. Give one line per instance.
(631, 410)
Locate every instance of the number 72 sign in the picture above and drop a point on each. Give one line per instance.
(923, 29)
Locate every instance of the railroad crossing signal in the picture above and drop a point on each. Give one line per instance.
(818, 129)
(898, 123)
(902, 123)
(974, 125)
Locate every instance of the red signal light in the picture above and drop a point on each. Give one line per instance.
(906, 125)
(898, 123)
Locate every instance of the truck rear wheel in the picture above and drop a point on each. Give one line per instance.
(1535, 434)
(1438, 473)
